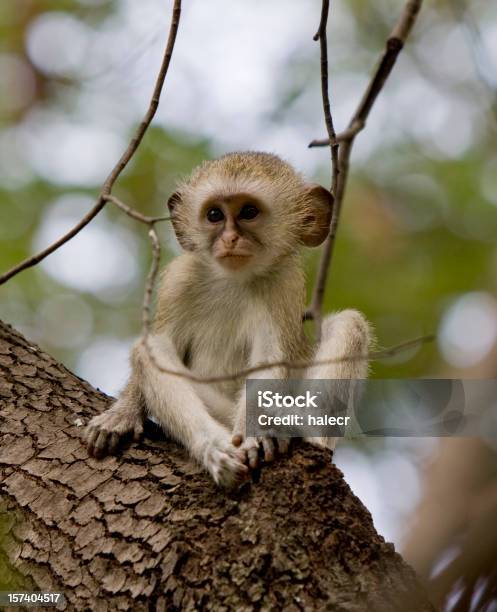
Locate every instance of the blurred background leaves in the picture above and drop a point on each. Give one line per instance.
(416, 249)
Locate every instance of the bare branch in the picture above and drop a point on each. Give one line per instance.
(347, 134)
(150, 284)
(292, 365)
(154, 267)
(134, 214)
(121, 164)
(321, 35)
(393, 47)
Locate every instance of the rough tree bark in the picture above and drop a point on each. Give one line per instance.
(149, 530)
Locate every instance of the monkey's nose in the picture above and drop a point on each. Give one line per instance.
(230, 239)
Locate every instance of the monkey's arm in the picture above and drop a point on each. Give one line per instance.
(267, 348)
(177, 407)
(123, 418)
(183, 414)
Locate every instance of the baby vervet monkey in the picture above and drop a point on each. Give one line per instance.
(234, 299)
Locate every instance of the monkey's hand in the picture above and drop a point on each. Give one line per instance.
(105, 431)
(225, 463)
(264, 448)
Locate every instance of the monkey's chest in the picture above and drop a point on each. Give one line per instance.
(215, 350)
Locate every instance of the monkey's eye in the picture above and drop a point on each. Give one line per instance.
(214, 215)
(249, 211)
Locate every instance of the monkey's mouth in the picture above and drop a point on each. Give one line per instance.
(234, 259)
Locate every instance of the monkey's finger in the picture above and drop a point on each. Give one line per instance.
(101, 444)
(241, 455)
(237, 439)
(253, 457)
(232, 473)
(137, 432)
(283, 445)
(91, 435)
(113, 443)
(241, 475)
(268, 446)
(242, 471)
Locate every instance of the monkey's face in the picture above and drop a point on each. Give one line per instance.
(233, 225)
(245, 212)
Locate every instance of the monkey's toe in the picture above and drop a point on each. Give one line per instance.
(269, 449)
(232, 475)
(225, 463)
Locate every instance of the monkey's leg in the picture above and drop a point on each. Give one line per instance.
(219, 406)
(184, 416)
(266, 349)
(344, 335)
(124, 417)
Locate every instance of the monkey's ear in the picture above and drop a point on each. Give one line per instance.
(173, 204)
(316, 224)
(173, 201)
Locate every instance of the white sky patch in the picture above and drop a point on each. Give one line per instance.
(100, 258)
(488, 31)
(227, 79)
(57, 43)
(374, 477)
(105, 364)
(228, 71)
(359, 473)
(67, 152)
(15, 171)
(468, 329)
(66, 320)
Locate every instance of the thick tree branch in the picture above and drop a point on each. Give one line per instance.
(150, 531)
(121, 164)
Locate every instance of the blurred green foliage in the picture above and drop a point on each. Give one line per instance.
(419, 222)
(417, 228)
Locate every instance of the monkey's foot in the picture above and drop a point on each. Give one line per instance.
(105, 431)
(254, 448)
(225, 464)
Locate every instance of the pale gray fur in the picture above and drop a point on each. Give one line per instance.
(214, 320)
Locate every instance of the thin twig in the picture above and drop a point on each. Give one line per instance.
(292, 365)
(321, 35)
(154, 266)
(393, 47)
(134, 214)
(347, 134)
(150, 284)
(121, 164)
